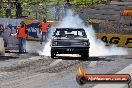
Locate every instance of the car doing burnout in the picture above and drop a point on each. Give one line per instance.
(70, 41)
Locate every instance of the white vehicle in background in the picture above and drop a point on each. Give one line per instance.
(2, 48)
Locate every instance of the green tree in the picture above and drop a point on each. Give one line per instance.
(40, 8)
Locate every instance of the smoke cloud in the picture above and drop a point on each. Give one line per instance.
(97, 47)
(46, 46)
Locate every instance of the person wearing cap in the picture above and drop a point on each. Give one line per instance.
(22, 35)
(44, 26)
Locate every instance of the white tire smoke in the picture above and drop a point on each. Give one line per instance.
(97, 47)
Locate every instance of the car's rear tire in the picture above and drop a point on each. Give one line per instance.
(85, 55)
(53, 54)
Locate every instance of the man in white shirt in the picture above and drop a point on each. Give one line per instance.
(8, 9)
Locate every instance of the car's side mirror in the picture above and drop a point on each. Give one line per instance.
(85, 36)
(53, 33)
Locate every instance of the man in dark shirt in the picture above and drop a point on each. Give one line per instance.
(1, 29)
(67, 6)
(18, 9)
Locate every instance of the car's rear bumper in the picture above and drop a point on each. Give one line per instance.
(69, 49)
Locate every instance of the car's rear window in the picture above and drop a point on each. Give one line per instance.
(70, 33)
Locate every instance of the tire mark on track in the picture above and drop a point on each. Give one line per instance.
(62, 66)
(40, 66)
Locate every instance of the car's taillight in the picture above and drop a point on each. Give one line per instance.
(54, 43)
(86, 43)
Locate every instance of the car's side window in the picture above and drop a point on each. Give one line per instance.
(57, 33)
(80, 33)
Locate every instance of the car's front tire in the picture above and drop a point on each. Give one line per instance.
(80, 80)
(53, 54)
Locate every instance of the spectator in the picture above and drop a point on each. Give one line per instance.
(1, 29)
(22, 36)
(1, 3)
(57, 11)
(67, 6)
(8, 9)
(44, 26)
(18, 9)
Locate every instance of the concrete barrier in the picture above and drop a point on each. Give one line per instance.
(104, 17)
(121, 3)
(126, 0)
(111, 6)
(102, 11)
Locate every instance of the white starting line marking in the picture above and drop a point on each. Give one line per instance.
(56, 62)
(92, 63)
(35, 58)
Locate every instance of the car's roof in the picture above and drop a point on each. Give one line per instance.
(72, 29)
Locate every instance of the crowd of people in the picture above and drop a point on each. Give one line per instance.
(9, 5)
(18, 6)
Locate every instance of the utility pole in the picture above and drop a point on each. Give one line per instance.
(36, 5)
(45, 8)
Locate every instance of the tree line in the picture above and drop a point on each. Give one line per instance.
(32, 7)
